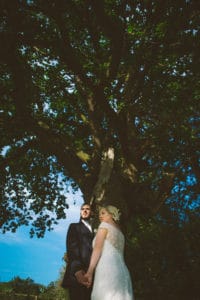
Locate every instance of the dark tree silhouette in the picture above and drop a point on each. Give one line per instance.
(100, 94)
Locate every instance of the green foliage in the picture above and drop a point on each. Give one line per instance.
(54, 291)
(25, 286)
(21, 289)
(163, 257)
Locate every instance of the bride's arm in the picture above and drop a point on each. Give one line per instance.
(96, 253)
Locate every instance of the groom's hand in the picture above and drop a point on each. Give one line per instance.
(80, 277)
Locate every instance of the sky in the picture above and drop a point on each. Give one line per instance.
(38, 259)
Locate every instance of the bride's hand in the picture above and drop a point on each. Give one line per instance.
(88, 276)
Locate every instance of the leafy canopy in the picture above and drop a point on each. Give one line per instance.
(78, 77)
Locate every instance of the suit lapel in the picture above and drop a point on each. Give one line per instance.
(84, 228)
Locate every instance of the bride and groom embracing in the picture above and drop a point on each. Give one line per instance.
(96, 269)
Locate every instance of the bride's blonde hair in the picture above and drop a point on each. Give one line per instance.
(114, 211)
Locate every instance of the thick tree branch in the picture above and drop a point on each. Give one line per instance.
(113, 29)
(104, 176)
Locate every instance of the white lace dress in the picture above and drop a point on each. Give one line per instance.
(112, 279)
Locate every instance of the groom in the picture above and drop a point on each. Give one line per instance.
(79, 249)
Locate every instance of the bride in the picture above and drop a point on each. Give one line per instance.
(107, 267)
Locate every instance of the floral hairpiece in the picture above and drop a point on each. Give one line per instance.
(114, 211)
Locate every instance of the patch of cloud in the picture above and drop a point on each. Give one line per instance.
(13, 237)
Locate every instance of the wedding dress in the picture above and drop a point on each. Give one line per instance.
(112, 279)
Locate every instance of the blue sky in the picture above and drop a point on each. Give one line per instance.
(38, 259)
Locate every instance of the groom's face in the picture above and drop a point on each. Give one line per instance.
(85, 212)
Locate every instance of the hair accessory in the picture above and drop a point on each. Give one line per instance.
(114, 211)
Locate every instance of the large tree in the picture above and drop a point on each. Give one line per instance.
(103, 95)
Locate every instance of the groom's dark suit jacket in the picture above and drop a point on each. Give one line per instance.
(79, 250)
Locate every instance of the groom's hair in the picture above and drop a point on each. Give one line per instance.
(88, 204)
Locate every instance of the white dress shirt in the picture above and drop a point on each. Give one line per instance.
(87, 224)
